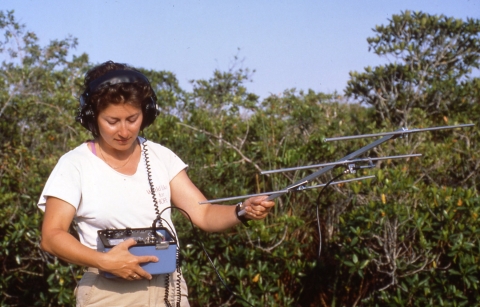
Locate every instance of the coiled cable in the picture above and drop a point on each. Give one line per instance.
(159, 219)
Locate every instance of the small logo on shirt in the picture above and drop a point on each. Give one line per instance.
(160, 191)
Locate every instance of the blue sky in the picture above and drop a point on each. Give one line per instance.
(290, 44)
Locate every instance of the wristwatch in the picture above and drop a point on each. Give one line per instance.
(242, 218)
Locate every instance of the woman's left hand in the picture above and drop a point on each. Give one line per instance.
(257, 208)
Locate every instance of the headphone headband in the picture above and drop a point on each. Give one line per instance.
(116, 77)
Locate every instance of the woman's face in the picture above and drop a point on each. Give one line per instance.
(119, 125)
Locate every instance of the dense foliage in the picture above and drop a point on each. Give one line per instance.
(409, 237)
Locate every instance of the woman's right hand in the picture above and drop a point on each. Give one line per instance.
(120, 262)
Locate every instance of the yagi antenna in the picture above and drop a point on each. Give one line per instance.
(354, 161)
(395, 133)
(348, 160)
(300, 187)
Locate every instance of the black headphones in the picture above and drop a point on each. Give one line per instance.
(86, 115)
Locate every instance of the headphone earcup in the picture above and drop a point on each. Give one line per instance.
(86, 116)
(150, 113)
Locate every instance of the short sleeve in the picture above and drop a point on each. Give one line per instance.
(63, 183)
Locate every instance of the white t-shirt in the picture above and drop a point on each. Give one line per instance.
(104, 198)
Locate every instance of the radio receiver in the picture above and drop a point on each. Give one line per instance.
(157, 242)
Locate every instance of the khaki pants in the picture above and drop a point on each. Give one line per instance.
(94, 290)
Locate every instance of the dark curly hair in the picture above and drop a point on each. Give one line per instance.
(136, 93)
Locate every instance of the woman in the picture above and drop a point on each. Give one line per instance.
(119, 180)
